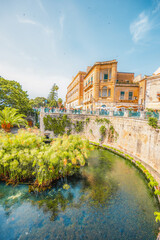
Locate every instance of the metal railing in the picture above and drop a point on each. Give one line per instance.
(101, 112)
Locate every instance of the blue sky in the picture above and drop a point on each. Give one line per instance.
(43, 42)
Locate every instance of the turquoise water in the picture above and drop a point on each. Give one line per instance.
(111, 201)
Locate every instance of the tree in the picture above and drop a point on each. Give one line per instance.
(53, 95)
(12, 95)
(10, 117)
(38, 102)
(60, 102)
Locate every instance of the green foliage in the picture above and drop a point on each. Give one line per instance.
(78, 126)
(57, 125)
(102, 120)
(157, 192)
(10, 117)
(87, 120)
(91, 131)
(157, 214)
(12, 95)
(153, 183)
(153, 122)
(25, 158)
(112, 134)
(102, 130)
(38, 102)
(60, 102)
(129, 157)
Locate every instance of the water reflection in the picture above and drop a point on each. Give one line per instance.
(109, 201)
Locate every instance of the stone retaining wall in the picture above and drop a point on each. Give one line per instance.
(134, 137)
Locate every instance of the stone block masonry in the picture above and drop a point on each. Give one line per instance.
(134, 137)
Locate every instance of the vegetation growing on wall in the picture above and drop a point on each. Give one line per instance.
(102, 120)
(153, 122)
(62, 124)
(102, 131)
(78, 126)
(112, 134)
(87, 121)
(25, 158)
(57, 124)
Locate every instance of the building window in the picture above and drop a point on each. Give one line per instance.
(104, 92)
(91, 80)
(105, 76)
(122, 95)
(127, 81)
(109, 92)
(99, 93)
(117, 81)
(130, 96)
(110, 73)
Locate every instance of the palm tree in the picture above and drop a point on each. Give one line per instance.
(10, 117)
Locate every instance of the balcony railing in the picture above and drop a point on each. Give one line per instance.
(90, 84)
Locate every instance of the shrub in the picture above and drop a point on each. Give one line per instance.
(25, 158)
(153, 122)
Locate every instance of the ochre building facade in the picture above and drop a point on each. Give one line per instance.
(74, 96)
(104, 86)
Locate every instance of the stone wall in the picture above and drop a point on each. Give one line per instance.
(134, 137)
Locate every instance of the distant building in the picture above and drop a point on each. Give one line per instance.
(74, 96)
(101, 86)
(104, 86)
(153, 91)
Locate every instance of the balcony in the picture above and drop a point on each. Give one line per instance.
(88, 86)
(87, 100)
(128, 100)
(125, 84)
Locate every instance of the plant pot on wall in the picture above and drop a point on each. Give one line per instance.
(6, 127)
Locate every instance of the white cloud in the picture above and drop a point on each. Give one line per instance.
(25, 20)
(140, 27)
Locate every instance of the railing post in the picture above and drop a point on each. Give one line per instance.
(111, 113)
(126, 113)
(142, 115)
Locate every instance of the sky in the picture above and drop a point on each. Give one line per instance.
(43, 42)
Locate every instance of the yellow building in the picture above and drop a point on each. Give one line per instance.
(74, 96)
(103, 85)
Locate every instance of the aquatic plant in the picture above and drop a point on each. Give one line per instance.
(24, 157)
(157, 214)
